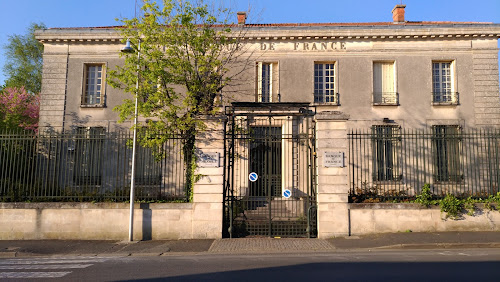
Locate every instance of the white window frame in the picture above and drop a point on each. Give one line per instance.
(85, 102)
(320, 95)
(273, 81)
(447, 96)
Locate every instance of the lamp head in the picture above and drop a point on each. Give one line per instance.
(127, 48)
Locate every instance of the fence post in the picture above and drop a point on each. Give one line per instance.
(208, 190)
(333, 180)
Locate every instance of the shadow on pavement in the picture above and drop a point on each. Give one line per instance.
(362, 271)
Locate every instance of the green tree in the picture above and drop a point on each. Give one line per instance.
(23, 67)
(188, 55)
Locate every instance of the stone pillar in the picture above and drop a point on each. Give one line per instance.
(333, 179)
(485, 71)
(208, 191)
(53, 94)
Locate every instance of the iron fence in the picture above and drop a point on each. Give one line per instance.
(388, 162)
(88, 165)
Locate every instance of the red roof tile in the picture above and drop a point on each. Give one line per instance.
(407, 23)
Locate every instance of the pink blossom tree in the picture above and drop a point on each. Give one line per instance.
(19, 109)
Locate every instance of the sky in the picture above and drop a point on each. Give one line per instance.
(16, 15)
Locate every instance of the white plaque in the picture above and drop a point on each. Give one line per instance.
(333, 159)
(208, 159)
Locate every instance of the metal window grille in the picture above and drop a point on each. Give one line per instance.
(387, 151)
(446, 151)
(89, 145)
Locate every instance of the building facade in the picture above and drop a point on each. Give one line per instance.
(416, 74)
(308, 91)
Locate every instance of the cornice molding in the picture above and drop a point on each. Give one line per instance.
(363, 34)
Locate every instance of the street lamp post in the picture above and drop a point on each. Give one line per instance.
(128, 49)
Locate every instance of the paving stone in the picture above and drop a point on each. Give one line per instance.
(269, 245)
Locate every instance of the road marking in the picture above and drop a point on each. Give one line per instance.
(14, 265)
(43, 266)
(33, 274)
(51, 261)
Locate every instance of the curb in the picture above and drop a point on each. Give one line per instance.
(441, 246)
(8, 254)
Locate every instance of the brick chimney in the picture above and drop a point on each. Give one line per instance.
(398, 14)
(242, 16)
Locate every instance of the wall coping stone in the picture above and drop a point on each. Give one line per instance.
(397, 206)
(76, 205)
(332, 115)
(213, 117)
(388, 206)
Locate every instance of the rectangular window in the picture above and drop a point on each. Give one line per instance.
(324, 83)
(446, 153)
(89, 154)
(384, 84)
(93, 85)
(443, 83)
(148, 168)
(266, 82)
(386, 151)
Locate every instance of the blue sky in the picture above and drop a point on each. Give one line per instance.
(16, 15)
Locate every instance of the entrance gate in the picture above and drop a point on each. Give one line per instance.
(275, 141)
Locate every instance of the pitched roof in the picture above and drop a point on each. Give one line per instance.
(407, 23)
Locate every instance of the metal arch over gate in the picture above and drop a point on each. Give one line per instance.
(275, 141)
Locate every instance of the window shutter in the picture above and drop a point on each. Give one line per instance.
(270, 82)
(388, 77)
(377, 78)
(259, 82)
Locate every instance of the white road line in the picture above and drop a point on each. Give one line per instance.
(43, 266)
(33, 274)
(12, 266)
(53, 261)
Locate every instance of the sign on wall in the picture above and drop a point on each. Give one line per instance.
(208, 159)
(253, 176)
(333, 159)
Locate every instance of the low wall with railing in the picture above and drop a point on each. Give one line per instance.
(108, 221)
(390, 218)
(89, 166)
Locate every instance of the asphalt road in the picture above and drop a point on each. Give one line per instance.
(391, 265)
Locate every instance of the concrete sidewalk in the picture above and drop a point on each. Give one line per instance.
(30, 248)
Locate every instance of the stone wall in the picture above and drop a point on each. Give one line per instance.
(388, 218)
(100, 221)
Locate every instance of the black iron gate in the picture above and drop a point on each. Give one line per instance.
(270, 170)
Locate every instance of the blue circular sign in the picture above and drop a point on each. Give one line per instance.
(287, 193)
(253, 176)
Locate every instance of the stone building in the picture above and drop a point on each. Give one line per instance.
(414, 73)
(309, 88)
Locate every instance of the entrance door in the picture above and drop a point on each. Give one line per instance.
(276, 142)
(265, 160)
